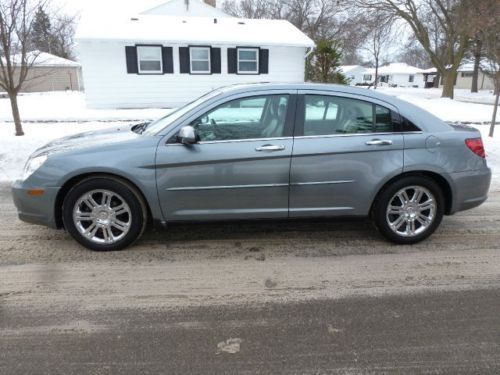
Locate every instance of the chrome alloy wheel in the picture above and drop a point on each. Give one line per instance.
(102, 216)
(411, 211)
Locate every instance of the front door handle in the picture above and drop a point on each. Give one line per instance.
(379, 142)
(270, 148)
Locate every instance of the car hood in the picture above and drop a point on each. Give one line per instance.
(88, 139)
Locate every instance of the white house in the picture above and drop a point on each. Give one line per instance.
(400, 75)
(354, 73)
(165, 61)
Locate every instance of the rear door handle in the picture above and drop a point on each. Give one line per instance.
(379, 142)
(270, 148)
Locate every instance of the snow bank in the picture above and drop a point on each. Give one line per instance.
(462, 95)
(70, 106)
(14, 151)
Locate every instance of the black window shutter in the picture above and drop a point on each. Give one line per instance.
(168, 60)
(231, 61)
(131, 58)
(215, 60)
(264, 61)
(184, 59)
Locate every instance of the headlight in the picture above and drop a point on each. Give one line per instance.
(32, 165)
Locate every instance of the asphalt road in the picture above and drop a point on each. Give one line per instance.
(320, 297)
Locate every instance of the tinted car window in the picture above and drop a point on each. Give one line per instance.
(327, 115)
(246, 118)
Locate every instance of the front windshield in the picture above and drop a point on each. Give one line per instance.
(165, 121)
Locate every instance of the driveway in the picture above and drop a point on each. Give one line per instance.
(313, 297)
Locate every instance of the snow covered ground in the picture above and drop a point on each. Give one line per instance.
(68, 107)
(53, 115)
(466, 107)
(462, 95)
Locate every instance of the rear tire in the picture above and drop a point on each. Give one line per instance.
(409, 209)
(104, 213)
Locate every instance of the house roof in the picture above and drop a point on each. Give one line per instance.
(187, 8)
(468, 66)
(195, 30)
(349, 68)
(398, 68)
(429, 70)
(44, 59)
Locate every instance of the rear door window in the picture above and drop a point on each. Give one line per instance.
(330, 115)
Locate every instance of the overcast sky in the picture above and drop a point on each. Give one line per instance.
(96, 7)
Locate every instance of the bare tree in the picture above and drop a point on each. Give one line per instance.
(441, 26)
(16, 21)
(412, 53)
(319, 19)
(379, 36)
(491, 42)
(63, 32)
(483, 22)
(477, 50)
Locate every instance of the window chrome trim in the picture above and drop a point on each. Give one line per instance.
(233, 141)
(355, 134)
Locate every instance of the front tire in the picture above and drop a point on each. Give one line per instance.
(409, 209)
(104, 213)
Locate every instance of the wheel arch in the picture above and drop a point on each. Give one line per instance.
(436, 177)
(73, 181)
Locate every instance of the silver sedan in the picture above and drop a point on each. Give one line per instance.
(261, 151)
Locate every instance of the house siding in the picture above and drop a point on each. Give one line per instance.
(41, 79)
(108, 85)
(483, 82)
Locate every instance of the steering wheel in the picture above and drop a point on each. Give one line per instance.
(215, 128)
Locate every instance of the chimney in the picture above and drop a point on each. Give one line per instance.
(211, 2)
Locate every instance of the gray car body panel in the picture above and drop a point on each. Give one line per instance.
(312, 176)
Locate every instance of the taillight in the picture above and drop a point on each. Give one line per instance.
(476, 146)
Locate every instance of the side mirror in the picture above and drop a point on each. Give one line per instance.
(187, 135)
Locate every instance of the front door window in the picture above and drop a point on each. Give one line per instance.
(246, 118)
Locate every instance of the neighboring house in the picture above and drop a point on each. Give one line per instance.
(187, 8)
(354, 73)
(50, 73)
(465, 73)
(429, 76)
(167, 61)
(400, 75)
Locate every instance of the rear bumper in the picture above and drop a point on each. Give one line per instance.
(35, 209)
(471, 189)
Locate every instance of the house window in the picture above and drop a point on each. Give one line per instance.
(467, 74)
(200, 60)
(411, 78)
(367, 77)
(248, 61)
(149, 59)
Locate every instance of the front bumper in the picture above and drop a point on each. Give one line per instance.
(471, 189)
(35, 209)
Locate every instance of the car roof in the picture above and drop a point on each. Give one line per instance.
(420, 117)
